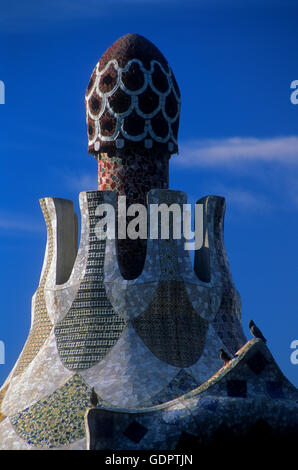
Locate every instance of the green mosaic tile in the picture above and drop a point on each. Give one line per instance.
(55, 420)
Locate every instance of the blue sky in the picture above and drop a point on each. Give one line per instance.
(238, 137)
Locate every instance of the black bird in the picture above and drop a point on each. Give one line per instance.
(224, 356)
(255, 331)
(93, 399)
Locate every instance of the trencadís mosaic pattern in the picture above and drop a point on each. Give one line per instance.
(91, 327)
(57, 419)
(42, 324)
(132, 99)
(239, 402)
(134, 319)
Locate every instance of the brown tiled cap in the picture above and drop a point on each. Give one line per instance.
(132, 100)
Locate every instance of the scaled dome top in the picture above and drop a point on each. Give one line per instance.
(132, 100)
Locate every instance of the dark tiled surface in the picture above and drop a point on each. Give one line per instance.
(257, 362)
(135, 431)
(275, 389)
(237, 388)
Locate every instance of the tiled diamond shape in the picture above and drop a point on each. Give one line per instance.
(274, 389)
(135, 431)
(236, 388)
(257, 362)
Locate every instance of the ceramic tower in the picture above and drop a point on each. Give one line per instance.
(134, 319)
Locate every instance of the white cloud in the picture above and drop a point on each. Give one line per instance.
(82, 182)
(238, 197)
(245, 199)
(237, 151)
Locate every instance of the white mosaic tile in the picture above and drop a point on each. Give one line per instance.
(130, 373)
(210, 362)
(59, 298)
(9, 439)
(42, 376)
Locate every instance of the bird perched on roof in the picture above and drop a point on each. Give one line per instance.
(93, 399)
(224, 356)
(255, 331)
